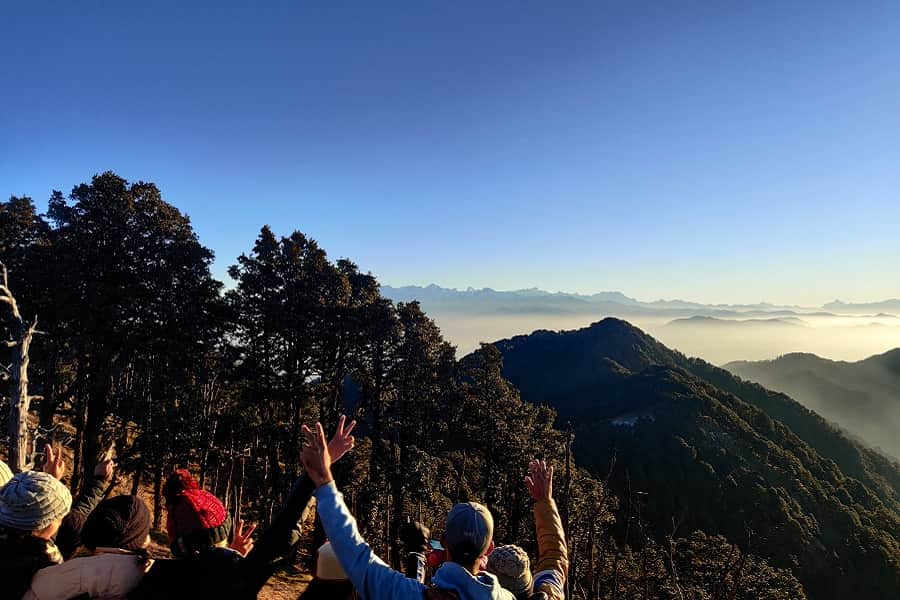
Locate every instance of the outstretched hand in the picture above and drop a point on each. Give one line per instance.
(342, 442)
(105, 469)
(315, 456)
(53, 462)
(243, 540)
(539, 480)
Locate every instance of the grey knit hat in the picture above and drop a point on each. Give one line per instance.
(511, 566)
(32, 500)
(5, 473)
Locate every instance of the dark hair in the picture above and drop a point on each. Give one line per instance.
(119, 522)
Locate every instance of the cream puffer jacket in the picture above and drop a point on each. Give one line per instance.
(108, 574)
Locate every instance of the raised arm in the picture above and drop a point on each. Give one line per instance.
(371, 577)
(277, 540)
(553, 556)
(68, 538)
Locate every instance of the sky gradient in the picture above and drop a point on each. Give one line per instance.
(705, 151)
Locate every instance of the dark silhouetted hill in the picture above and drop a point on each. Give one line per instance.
(707, 450)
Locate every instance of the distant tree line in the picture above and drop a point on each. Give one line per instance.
(141, 350)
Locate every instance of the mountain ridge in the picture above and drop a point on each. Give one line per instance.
(717, 453)
(861, 396)
(890, 307)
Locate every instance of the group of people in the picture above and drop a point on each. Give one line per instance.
(54, 548)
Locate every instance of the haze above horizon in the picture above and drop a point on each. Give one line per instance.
(723, 155)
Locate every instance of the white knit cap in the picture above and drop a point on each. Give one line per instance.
(5, 473)
(327, 565)
(32, 500)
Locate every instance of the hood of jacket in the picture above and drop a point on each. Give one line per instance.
(484, 586)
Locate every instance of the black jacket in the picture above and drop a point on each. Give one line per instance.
(68, 538)
(223, 574)
(22, 554)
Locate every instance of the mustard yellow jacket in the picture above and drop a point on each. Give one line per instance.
(553, 555)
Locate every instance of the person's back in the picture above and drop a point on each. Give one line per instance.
(199, 530)
(213, 573)
(32, 507)
(117, 533)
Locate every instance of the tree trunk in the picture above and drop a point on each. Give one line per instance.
(98, 396)
(567, 498)
(20, 401)
(157, 496)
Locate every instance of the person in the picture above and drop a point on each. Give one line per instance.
(32, 507)
(68, 538)
(511, 564)
(467, 539)
(330, 581)
(117, 532)
(39, 525)
(198, 527)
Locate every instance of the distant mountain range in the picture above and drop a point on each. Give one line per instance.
(863, 397)
(697, 448)
(536, 301)
(777, 322)
(891, 306)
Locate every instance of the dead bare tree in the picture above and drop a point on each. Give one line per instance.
(17, 376)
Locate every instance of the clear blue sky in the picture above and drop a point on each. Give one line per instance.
(702, 150)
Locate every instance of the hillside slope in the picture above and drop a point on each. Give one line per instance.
(716, 453)
(863, 397)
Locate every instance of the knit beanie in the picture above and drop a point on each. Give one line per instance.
(118, 522)
(196, 519)
(511, 566)
(5, 473)
(327, 566)
(32, 500)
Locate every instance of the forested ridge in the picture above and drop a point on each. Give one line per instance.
(674, 481)
(705, 450)
(861, 396)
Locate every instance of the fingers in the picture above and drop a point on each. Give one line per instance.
(308, 435)
(320, 440)
(349, 429)
(239, 530)
(250, 529)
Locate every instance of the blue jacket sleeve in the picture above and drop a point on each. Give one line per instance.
(371, 577)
